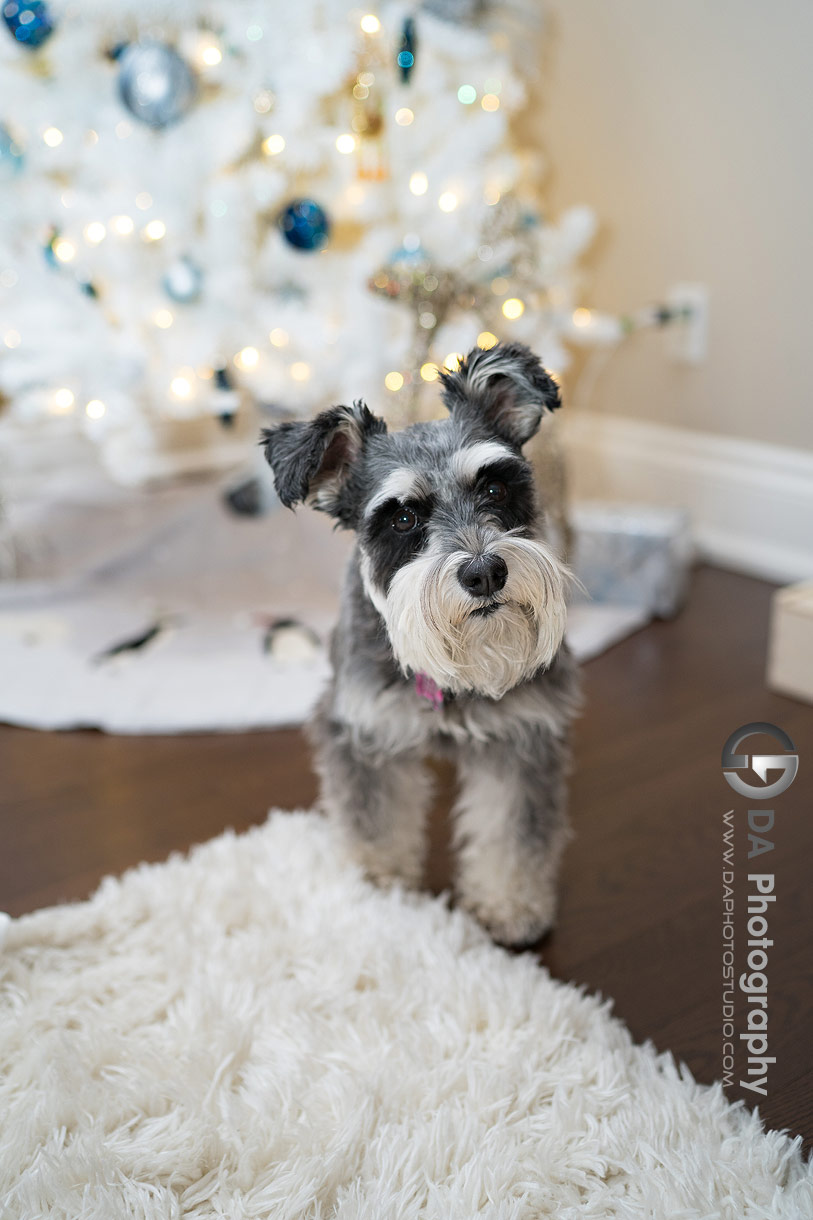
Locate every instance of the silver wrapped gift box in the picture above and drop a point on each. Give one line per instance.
(632, 555)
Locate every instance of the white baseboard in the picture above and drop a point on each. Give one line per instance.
(751, 504)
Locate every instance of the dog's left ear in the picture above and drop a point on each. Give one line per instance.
(314, 460)
(505, 387)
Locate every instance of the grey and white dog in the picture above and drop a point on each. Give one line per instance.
(449, 637)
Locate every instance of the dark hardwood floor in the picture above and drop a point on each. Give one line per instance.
(641, 912)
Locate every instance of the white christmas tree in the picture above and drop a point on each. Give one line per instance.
(213, 204)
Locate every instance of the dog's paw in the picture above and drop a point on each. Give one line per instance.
(385, 870)
(517, 920)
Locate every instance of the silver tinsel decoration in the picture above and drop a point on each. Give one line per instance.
(155, 83)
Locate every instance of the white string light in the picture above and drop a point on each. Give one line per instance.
(154, 231)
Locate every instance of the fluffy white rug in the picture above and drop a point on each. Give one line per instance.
(256, 1032)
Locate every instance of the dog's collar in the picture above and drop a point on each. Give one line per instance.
(428, 688)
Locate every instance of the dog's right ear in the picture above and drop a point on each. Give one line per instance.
(313, 460)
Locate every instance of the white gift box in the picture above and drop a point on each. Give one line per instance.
(790, 644)
(632, 555)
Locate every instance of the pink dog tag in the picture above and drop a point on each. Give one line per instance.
(428, 688)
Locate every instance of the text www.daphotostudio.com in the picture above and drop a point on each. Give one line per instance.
(760, 895)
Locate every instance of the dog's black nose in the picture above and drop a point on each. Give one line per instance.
(483, 575)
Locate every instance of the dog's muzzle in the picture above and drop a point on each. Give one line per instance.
(482, 621)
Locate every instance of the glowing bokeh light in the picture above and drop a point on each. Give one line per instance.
(64, 250)
(64, 399)
(513, 308)
(486, 340)
(248, 358)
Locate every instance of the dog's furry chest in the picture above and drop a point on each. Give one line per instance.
(391, 717)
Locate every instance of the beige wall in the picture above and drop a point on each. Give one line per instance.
(687, 125)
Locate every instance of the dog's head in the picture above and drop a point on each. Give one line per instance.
(449, 526)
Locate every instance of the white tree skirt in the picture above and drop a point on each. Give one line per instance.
(257, 1032)
(96, 564)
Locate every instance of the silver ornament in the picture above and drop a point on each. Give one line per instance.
(155, 83)
(183, 280)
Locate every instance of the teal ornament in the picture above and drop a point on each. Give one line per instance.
(304, 225)
(155, 83)
(183, 281)
(29, 21)
(48, 249)
(11, 155)
(407, 50)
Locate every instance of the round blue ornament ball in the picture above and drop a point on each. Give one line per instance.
(29, 21)
(304, 225)
(11, 155)
(183, 281)
(155, 83)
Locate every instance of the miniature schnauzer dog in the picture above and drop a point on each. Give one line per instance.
(450, 636)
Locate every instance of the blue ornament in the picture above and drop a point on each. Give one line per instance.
(407, 49)
(304, 225)
(29, 21)
(155, 83)
(11, 155)
(183, 281)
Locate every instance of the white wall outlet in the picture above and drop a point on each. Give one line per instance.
(688, 334)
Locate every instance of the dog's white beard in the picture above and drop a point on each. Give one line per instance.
(432, 628)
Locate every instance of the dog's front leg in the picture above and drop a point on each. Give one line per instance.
(510, 829)
(380, 801)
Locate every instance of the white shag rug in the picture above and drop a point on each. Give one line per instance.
(255, 1031)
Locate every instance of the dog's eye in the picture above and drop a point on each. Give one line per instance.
(404, 520)
(496, 492)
